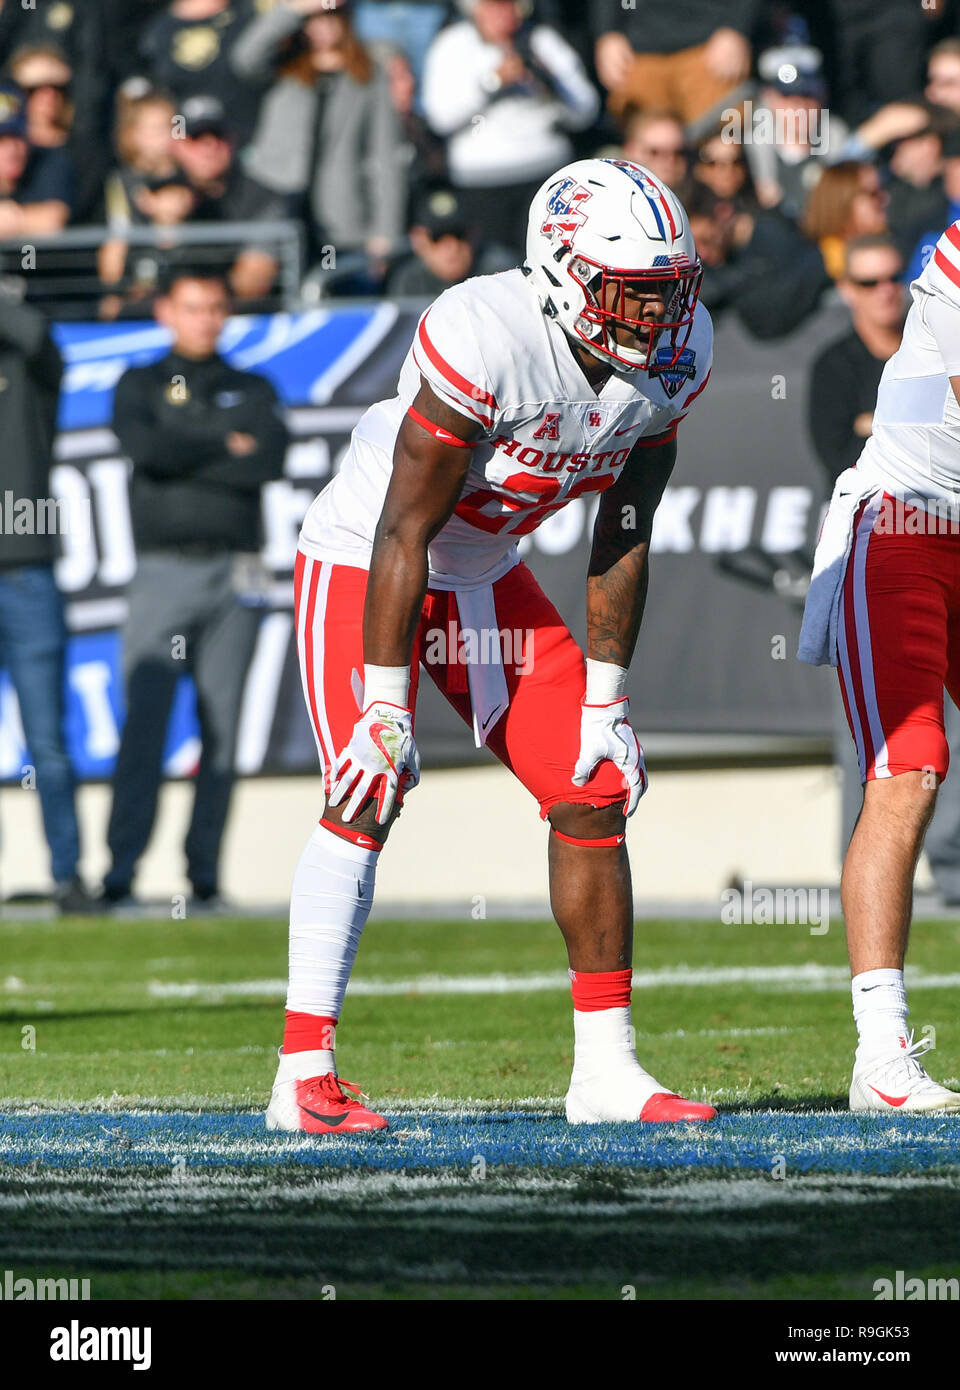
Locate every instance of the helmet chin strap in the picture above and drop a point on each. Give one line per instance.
(601, 355)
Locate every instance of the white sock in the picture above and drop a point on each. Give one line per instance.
(603, 1039)
(879, 1009)
(329, 905)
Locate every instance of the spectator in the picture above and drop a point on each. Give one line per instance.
(846, 375)
(948, 211)
(656, 55)
(800, 135)
(655, 139)
(328, 129)
(722, 165)
(878, 47)
(426, 152)
(915, 182)
(444, 253)
(165, 201)
(943, 75)
(75, 32)
(224, 193)
(34, 193)
(32, 630)
(145, 152)
(504, 93)
(203, 438)
(842, 396)
(44, 76)
(847, 202)
(410, 25)
(756, 264)
(187, 50)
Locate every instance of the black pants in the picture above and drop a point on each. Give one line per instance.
(183, 617)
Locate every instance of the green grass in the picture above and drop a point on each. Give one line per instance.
(83, 985)
(102, 1038)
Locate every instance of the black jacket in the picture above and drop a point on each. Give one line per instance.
(172, 420)
(844, 384)
(30, 371)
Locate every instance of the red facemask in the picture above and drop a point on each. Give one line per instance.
(677, 287)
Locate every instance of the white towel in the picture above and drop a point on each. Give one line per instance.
(818, 635)
(485, 675)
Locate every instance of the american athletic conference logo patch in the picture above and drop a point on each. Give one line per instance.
(673, 377)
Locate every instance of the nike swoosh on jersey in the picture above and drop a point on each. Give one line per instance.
(628, 429)
(891, 1100)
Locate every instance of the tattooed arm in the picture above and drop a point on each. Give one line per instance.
(617, 576)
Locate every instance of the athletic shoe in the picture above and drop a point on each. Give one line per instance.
(316, 1104)
(629, 1093)
(898, 1081)
(73, 899)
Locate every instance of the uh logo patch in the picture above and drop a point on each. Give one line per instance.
(674, 375)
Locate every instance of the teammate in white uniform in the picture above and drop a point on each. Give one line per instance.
(520, 391)
(884, 606)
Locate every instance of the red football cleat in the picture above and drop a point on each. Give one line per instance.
(319, 1105)
(667, 1108)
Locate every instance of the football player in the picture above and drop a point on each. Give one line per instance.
(565, 378)
(884, 607)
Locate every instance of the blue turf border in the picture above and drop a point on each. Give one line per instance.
(808, 1142)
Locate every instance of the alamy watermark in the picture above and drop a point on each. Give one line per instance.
(756, 124)
(900, 1287)
(20, 1289)
(486, 646)
(44, 516)
(752, 906)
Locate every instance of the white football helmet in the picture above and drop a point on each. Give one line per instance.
(607, 222)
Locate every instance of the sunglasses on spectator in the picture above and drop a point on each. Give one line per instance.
(871, 284)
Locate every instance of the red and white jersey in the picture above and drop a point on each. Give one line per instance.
(915, 445)
(486, 348)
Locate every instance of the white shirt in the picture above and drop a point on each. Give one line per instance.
(915, 445)
(486, 348)
(512, 137)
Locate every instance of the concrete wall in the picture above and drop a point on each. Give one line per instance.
(477, 832)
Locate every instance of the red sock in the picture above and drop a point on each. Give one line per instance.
(600, 989)
(308, 1032)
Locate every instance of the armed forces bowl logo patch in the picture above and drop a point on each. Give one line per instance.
(672, 374)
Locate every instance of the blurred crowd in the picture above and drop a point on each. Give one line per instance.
(404, 138)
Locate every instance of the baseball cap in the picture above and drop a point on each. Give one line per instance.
(205, 115)
(13, 110)
(793, 68)
(440, 211)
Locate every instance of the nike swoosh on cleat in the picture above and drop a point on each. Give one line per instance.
(332, 1120)
(891, 1100)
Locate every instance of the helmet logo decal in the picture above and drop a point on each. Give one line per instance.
(654, 195)
(565, 210)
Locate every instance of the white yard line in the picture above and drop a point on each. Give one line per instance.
(807, 977)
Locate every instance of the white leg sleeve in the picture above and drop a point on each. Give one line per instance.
(329, 905)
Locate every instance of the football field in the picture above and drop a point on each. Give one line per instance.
(136, 1059)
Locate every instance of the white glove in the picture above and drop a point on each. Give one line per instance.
(381, 759)
(605, 732)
